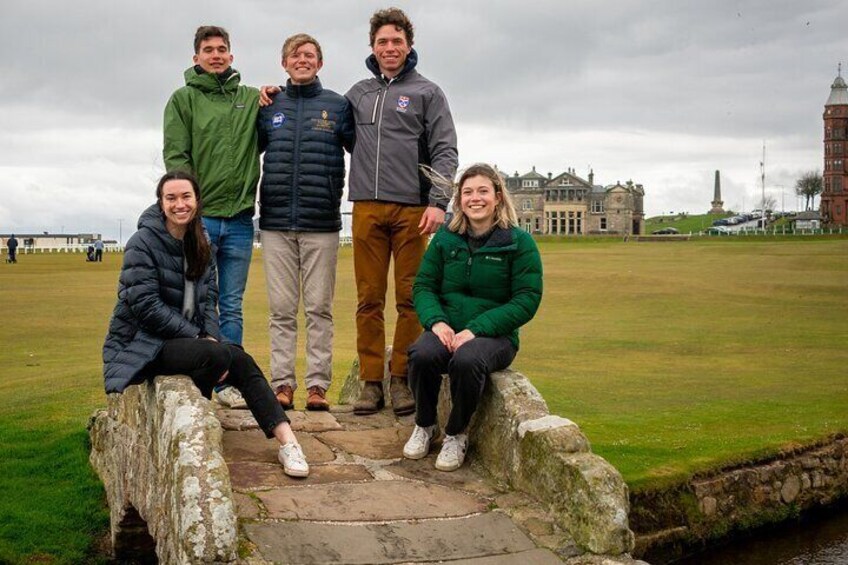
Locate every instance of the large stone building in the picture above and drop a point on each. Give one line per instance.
(567, 204)
(834, 198)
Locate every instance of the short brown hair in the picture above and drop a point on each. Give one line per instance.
(297, 41)
(393, 16)
(505, 214)
(206, 32)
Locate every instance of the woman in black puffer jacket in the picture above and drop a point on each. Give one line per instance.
(166, 321)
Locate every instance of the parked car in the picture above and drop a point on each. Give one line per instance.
(666, 231)
(721, 222)
(718, 230)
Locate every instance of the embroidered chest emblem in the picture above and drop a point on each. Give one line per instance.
(402, 103)
(278, 120)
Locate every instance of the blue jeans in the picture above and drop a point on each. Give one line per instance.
(232, 244)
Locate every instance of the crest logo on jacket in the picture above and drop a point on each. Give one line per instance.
(403, 103)
(278, 120)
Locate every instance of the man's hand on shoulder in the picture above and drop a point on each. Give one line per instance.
(267, 93)
(431, 220)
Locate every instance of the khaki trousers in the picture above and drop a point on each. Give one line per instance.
(383, 231)
(301, 264)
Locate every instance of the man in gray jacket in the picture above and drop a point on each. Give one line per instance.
(402, 121)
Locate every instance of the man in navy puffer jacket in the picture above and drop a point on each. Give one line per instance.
(304, 134)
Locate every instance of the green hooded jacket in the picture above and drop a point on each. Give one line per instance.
(491, 292)
(210, 131)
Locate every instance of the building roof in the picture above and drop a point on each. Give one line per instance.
(838, 92)
(534, 175)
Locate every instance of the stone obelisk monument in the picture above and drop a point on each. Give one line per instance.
(717, 202)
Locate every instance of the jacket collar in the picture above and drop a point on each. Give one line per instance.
(153, 220)
(310, 90)
(408, 66)
(501, 237)
(227, 81)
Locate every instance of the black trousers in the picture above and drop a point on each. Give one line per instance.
(468, 368)
(205, 361)
(98, 255)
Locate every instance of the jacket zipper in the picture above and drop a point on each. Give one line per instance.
(379, 136)
(295, 184)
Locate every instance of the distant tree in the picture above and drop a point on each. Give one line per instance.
(769, 203)
(809, 186)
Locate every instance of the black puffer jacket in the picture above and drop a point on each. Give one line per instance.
(304, 134)
(150, 301)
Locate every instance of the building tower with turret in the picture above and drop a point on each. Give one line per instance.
(834, 198)
(718, 203)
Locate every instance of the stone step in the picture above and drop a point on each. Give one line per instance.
(486, 538)
(301, 421)
(374, 501)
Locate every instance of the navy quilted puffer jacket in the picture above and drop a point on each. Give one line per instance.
(304, 134)
(150, 301)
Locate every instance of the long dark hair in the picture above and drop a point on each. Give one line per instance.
(195, 245)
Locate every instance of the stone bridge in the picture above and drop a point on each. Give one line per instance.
(189, 482)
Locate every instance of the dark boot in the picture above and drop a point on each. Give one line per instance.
(402, 401)
(370, 399)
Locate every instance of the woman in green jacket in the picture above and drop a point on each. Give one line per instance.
(479, 281)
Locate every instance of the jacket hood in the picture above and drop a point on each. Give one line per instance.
(208, 82)
(310, 90)
(153, 220)
(408, 65)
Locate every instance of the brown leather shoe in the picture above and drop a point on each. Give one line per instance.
(402, 401)
(316, 399)
(370, 399)
(285, 396)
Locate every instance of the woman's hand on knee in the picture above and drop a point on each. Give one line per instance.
(461, 339)
(445, 334)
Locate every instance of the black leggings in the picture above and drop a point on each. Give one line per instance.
(205, 361)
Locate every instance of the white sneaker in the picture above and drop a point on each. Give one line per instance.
(418, 444)
(453, 452)
(231, 398)
(293, 461)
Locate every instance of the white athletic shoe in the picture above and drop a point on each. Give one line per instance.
(453, 452)
(293, 461)
(418, 444)
(231, 398)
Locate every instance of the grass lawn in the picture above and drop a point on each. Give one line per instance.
(672, 357)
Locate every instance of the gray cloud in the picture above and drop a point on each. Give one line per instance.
(662, 92)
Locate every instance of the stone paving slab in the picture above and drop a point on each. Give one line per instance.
(373, 501)
(532, 557)
(301, 421)
(246, 506)
(382, 443)
(252, 445)
(401, 542)
(383, 419)
(463, 478)
(252, 475)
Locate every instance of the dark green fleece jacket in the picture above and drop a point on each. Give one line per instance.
(491, 292)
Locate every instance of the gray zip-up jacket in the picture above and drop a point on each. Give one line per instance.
(400, 123)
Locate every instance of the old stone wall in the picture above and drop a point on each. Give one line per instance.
(157, 448)
(742, 497)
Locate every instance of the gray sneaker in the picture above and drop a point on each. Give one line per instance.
(231, 398)
(293, 461)
(452, 454)
(418, 445)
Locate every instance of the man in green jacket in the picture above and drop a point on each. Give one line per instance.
(210, 131)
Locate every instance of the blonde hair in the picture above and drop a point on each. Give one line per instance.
(297, 41)
(505, 215)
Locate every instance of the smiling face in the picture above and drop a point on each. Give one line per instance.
(213, 55)
(391, 49)
(302, 64)
(478, 201)
(179, 204)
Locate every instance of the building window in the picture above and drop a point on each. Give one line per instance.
(527, 204)
(538, 224)
(598, 206)
(603, 224)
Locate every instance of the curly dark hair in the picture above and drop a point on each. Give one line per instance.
(393, 16)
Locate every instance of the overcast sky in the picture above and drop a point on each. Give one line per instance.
(661, 92)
